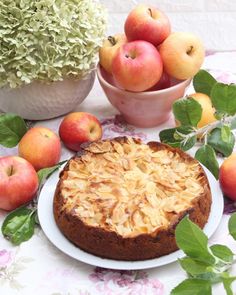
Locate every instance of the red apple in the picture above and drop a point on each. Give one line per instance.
(147, 23)
(137, 66)
(18, 182)
(109, 50)
(182, 55)
(41, 147)
(163, 83)
(79, 127)
(227, 177)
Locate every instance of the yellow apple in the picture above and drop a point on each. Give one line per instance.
(182, 55)
(207, 109)
(109, 50)
(41, 147)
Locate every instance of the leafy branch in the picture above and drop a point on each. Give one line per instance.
(204, 265)
(207, 129)
(215, 137)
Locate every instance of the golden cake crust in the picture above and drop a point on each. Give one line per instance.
(113, 242)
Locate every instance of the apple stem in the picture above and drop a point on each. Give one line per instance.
(112, 40)
(150, 11)
(10, 171)
(131, 55)
(190, 50)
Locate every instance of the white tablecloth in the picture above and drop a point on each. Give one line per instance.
(37, 267)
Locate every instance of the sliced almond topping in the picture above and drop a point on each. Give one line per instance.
(129, 188)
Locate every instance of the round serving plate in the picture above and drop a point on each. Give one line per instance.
(49, 226)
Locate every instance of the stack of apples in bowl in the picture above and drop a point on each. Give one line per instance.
(143, 70)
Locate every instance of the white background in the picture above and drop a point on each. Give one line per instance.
(212, 20)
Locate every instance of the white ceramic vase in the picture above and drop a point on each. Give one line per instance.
(40, 101)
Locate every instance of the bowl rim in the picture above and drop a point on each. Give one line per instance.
(100, 77)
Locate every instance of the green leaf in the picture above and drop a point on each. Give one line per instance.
(44, 173)
(185, 146)
(225, 133)
(192, 240)
(227, 286)
(206, 155)
(37, 219)
(223, 98)
(167, 136)
(12, 129)
(203, 82)
(200, 270)
(187, 111)
(232, 226)
(223, 252)
(173, 137)
(193, 287)
(227, 281)
(19, 225)
(214, 139)
(210, 276)
(193, 267)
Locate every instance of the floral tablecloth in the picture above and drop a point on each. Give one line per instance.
(38, 267)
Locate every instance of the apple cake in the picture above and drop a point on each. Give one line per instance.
(122, 199)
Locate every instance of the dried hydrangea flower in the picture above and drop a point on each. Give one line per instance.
(48, 40)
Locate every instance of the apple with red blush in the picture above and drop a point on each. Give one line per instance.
(147, 23)
(18, 182)
(79, 127)
(137, 66)
(163, 83)
(227, 177)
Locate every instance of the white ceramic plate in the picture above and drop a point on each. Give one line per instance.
(46, 218)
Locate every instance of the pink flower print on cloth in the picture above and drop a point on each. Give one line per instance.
(5, 258)
(113, 282)
(116, 126)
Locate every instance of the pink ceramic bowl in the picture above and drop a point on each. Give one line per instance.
(143, 109)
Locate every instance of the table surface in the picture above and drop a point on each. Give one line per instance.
(38, 267)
